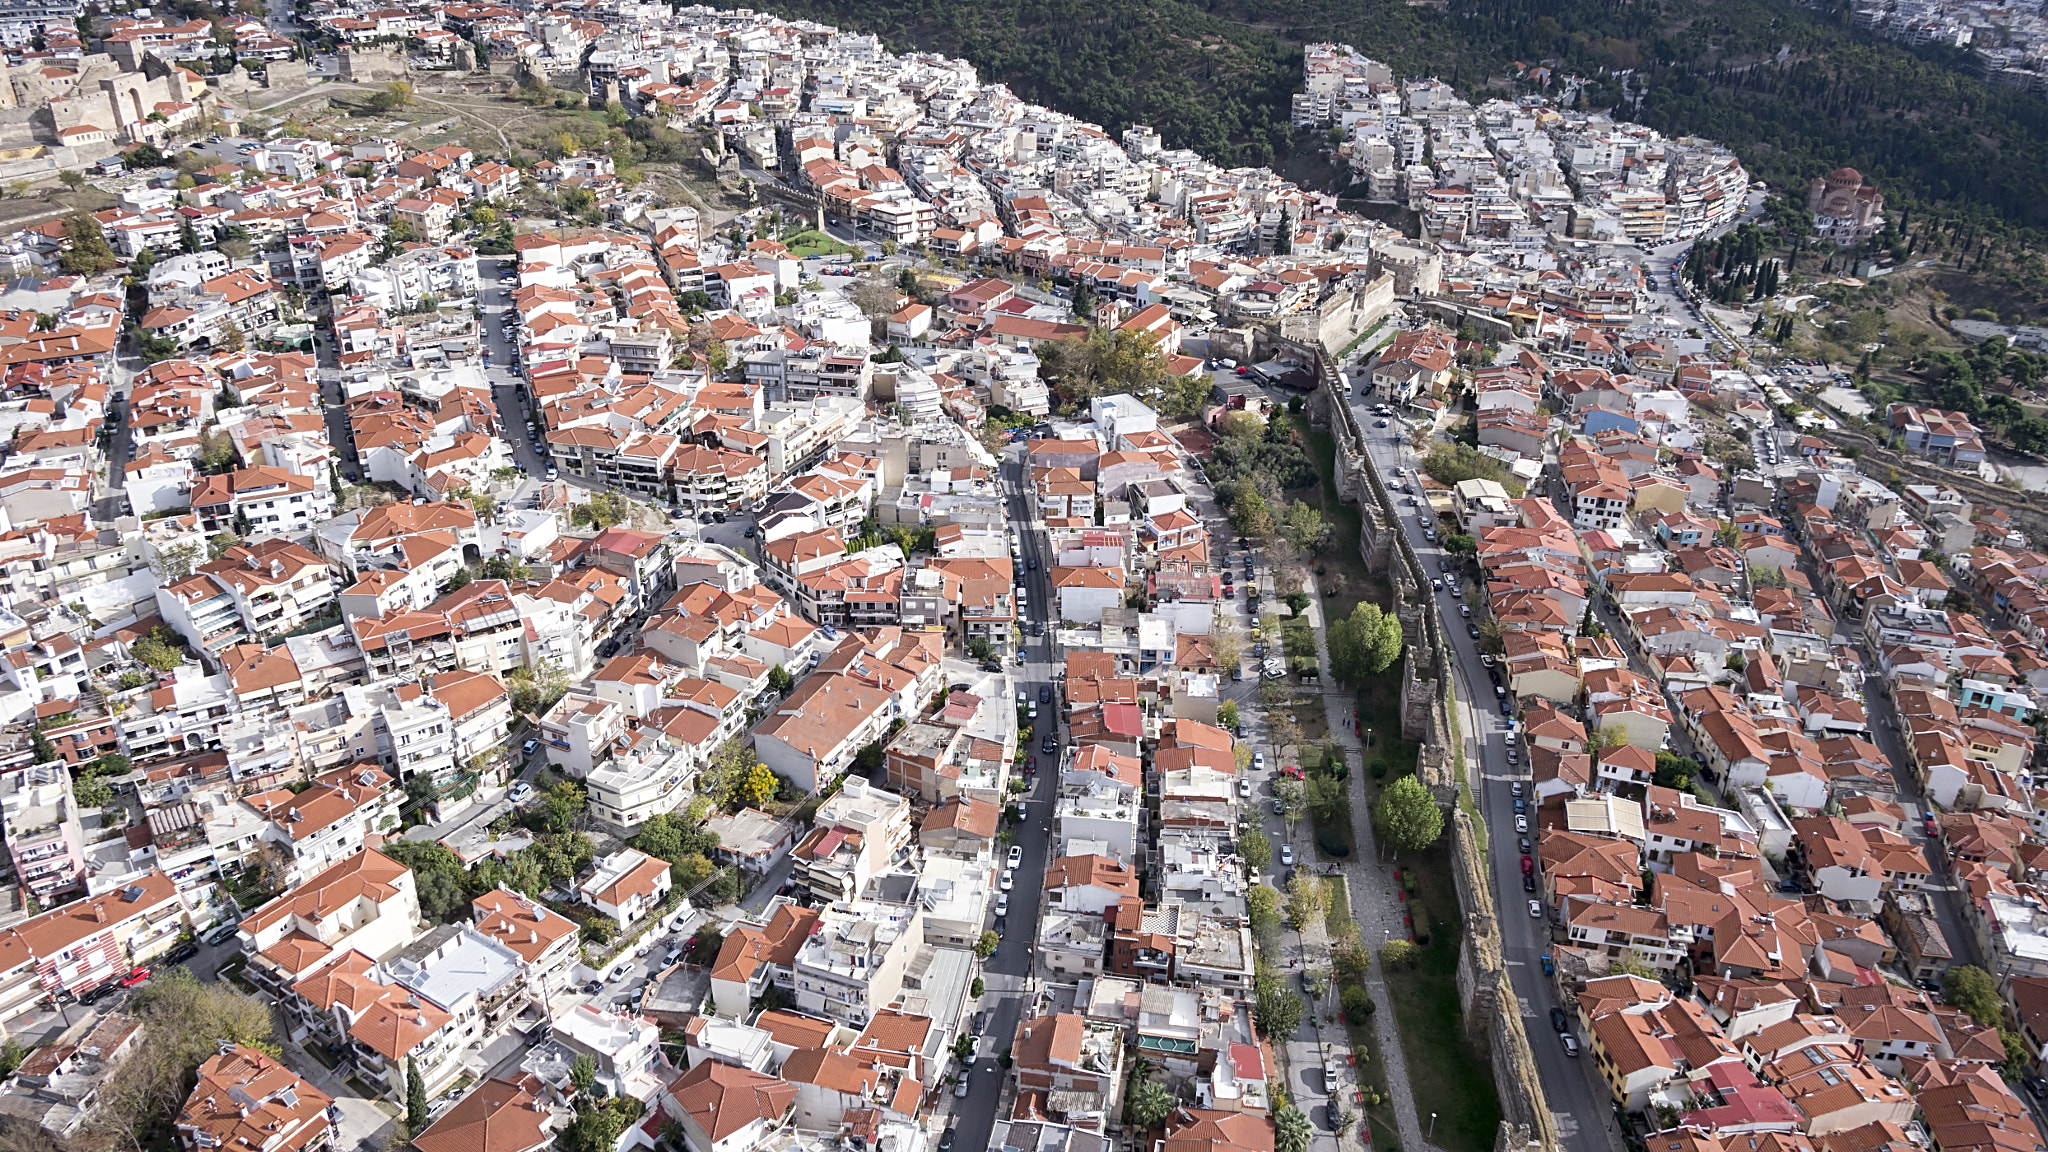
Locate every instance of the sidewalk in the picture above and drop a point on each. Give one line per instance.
(1374, 906)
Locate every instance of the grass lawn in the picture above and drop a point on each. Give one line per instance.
(1342, 568)
(810, 242)
(1446, 1075)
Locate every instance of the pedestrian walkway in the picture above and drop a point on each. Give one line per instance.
(1370, 887)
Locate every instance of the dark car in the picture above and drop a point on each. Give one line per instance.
(1472, 630)
(946, 1141)
(1528, 882)
(185, 952)
(1559, 1020)
(991, 666)
(1044, 694)
(1048, 745)
(1032, 564)
(594, 987)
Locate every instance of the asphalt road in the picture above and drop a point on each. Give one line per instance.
(1580, 1105)
(1006, 974)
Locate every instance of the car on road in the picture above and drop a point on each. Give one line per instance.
(185, 952)
(1528, 881)
(1016, 857)
(1437, 582)
(95, 995)
(1536, 909)
(1002, 904)
(1571, 1044)
(618, 972)
(960, 1085)
(1528, 863)
(520, 793)
(1048, 745)
(1521, 823)
(1472, 630)
(222, 934)
(1244, 788)
(946, 1141)
(135, 976)
(1258, 761)
(1045, 693)
(594, 987)
(1009, 879)
(1330, 1077)
(1287, 855)
(1031, 564)
(1379, 424)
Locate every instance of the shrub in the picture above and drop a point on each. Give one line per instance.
(1332, 842)
(1357, 1004)
(1379, 769)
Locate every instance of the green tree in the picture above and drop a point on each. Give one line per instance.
(415, 1097)
(86, 251)
(1307, 898)
(1305, 528)
(1250, 515)
(985, 945)
(1291, 1130)
(1149, 1104)
(1407, 817)
(1974, 991)
(1399, 954)
(1365, 643)
(615, 114)
(1226, 715)
(1262, 909)
(1276, 1010)
(779, 680)
(583, 1072)
(1256, 849)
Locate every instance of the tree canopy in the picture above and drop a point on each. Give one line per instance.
(1365, 643)
(1407, 817)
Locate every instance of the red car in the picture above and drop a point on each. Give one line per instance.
(135, 977)
(1528, 865)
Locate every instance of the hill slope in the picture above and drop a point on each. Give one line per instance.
(1795, 91)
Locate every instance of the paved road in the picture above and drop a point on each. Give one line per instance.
(1580, 1105)
(513, 412)
(1006, 975)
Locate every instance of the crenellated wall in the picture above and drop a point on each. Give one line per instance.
(1491, 1010)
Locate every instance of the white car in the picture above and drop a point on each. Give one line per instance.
(521, 793)
(1009, 879)
(1002, 904)
(1016, 855)
(619, 973)
(1244, 788)
(1258, 761)
(1287, 855)
(1536, 909)
(1521, 823)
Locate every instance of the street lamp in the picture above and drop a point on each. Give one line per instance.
(1432, 1126)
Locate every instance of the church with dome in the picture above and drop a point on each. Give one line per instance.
(1845, 209)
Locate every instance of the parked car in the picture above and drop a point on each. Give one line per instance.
(1009, 879)
(1536, 909)
(520, 793)
(1016, 857)
(1287, 855)
(185, 952)
(222, 934)
(135, 976)
(1002, 904)
(1571, 1044)
(960, 1085)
